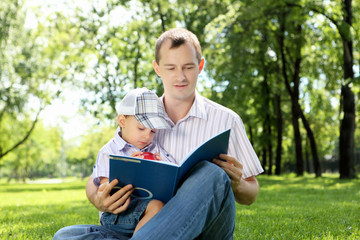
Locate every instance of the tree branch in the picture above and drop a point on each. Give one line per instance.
(27, 135)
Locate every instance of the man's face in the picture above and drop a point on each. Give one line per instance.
(179, 70)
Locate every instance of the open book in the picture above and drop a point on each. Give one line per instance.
(160, 180)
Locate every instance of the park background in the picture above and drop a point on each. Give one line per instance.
(290, 69)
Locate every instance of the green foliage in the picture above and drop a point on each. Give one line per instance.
(108, 48)
(29, 75)
(37, 157)
(286, 208)
(82, 156)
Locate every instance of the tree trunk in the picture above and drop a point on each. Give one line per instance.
(279, 134)
(310, 134)
(270, 149)
(267, 127)
(307, 160)
(347, 126)
(294, 94)
(298, 146)
(264, 159)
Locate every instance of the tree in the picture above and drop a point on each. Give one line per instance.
(37, 157)
(29, 71)
(16, 87)
(347, 128)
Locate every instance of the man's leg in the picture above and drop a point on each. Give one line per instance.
(88, 232)
(204, 204)
(222, 227)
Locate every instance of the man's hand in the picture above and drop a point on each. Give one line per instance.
(245, 190)
(103, 201)
(231, 166)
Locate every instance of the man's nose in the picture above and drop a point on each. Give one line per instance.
(180, 75)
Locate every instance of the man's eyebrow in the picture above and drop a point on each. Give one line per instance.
(171, 64)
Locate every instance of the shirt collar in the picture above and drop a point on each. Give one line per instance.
(197, 109)
(119, 141)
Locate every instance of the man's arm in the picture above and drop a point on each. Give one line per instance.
(245, 190)
(101, 199)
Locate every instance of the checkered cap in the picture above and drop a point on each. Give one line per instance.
(146, 107)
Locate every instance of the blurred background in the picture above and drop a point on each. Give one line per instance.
(290, 69)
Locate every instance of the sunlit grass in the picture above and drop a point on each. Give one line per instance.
(286, 208)
(302, 208)
(37, 211)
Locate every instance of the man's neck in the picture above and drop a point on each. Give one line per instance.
(177, 109)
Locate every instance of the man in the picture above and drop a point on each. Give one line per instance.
(204, 205)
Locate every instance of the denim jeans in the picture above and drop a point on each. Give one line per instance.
(202, 208)
(125, 222)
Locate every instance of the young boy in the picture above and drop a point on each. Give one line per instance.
(140, 114)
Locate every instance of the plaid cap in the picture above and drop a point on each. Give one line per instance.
(146, 107)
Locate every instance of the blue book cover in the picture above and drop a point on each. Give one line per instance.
(160, 180)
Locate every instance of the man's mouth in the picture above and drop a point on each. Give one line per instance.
(180, 85)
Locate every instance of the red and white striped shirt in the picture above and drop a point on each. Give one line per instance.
(205, 120)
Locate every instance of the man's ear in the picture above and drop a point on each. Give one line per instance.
(156, 68)
(121, 119)
(201, 64)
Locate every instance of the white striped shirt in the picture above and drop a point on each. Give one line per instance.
(205, 120)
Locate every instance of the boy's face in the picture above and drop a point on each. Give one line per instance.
(135, 133)
(179, 70)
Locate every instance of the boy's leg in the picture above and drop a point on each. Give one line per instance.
(126, 222)
(88, 232)
(204, 204)
(152, 208)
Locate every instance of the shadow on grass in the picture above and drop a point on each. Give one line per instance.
(291, 180)
(41, 187)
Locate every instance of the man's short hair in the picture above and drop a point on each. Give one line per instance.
(178, 37)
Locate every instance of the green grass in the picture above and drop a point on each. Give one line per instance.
(286, 208)
(302, 208)
(37, 211)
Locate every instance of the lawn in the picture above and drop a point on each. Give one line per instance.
(286, 208)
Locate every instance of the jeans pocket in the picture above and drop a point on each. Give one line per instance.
(108, 219)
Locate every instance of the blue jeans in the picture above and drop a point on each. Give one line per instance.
(203, 208)
(125, 222)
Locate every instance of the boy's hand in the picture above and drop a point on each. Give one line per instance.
(137, 155)
(157, 156)
(116, 203)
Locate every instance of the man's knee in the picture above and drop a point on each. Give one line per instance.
(213, 173)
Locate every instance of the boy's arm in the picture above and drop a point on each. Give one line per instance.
(245, 190)
(101, 199)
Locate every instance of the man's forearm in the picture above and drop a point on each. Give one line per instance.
(91, 190)
(246, 192)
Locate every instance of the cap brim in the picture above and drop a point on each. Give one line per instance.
(152, 121)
